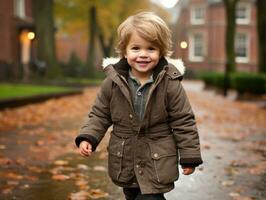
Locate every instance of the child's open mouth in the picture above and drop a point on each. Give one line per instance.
(143, 63)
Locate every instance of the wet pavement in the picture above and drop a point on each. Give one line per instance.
(39, 160)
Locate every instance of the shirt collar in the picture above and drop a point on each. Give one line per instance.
(132, 77)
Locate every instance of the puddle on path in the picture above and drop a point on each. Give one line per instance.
(45, 187)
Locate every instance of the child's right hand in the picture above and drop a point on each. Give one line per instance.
(85, 148)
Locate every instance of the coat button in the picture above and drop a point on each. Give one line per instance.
(140, 172)
(142, 164)
(130, 116)
(118, 153)
(137, 166)
(156, 155)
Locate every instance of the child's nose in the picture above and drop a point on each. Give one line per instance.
(143, 53)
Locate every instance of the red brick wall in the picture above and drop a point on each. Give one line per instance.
(9, 31)
(6, 13)
(65, 45)
(214, 37)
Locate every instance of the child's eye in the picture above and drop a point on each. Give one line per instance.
(151, 48)
(135, 48)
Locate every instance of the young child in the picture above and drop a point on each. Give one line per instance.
(154, 128)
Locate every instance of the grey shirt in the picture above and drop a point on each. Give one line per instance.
(139, 93)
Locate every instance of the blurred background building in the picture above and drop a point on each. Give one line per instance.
(198, 26)
(16, 33)
(200, 35)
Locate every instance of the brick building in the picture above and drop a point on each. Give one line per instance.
(200, 35)
(16, 25)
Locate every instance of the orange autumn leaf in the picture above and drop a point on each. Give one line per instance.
(60, 177)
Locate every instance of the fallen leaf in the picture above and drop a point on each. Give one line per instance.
(82, 167)
(234, 194)
(100, 168)
(238, 163)
(61, 162)
(82, 184)
(231, 171)
(228, 183)
(258, 169)
(7, 190)
(26, 186)
(5, 161)
(13, 175)
(97, 193)
(31, 178)
(40, 143)
(81, 195)
(60, 177)
(35, 169)
(242, 198)
(13, 183)
(206, 146)
(20, 161)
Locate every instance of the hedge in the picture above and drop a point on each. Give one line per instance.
(248, 82)
(243, 82)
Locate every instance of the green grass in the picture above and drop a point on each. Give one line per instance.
(83, 81)
(22, 90)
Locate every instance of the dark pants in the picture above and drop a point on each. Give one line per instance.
(135, 194)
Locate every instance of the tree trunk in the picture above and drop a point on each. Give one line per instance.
(91, 47)
(45, 29)
(261, 29)
(230, 8)
(106, 47)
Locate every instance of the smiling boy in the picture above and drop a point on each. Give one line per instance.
(154, 128)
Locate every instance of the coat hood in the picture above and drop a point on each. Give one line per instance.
(177, 63)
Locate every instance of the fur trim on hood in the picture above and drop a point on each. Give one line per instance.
(178, 63)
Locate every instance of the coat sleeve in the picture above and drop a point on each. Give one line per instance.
(183, 124)
(98, 119)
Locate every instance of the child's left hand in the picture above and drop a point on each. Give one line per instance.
(188, 170)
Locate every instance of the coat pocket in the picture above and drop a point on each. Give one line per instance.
(165, 160)
(120, 162)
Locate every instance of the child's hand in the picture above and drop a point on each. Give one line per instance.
(85, 148)
(188, 170)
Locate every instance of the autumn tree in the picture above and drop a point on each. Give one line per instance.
(230, 65)
(45, 29)
(100, 18)
(230, 8)
(261, 28)
(93, 26)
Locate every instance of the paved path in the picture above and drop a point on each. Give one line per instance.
(228, 163)
(232, 138)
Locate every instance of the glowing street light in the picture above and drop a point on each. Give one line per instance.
(183, 45)
(31, 35)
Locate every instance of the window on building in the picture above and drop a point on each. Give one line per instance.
(197, 15)
(19, 8)
(196, 47)
(241, 47)
(243, 13)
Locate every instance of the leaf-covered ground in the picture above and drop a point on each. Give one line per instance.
(38, 158)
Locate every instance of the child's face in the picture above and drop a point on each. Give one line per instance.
(141, 55)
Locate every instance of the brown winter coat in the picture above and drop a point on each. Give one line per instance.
(152, 148)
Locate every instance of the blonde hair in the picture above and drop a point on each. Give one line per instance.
(150, 27)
